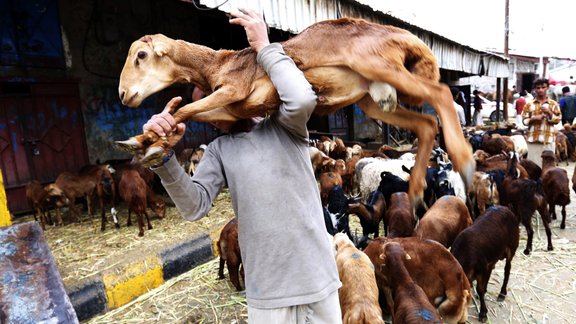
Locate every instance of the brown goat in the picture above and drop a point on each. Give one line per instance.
(411, 305)
(229, 251)
(561, 143)
(491, 238)
(444, 220)
(37, 197)
(327, 181)
(105, 191)
(359, 292)
(487, 163)
(524, 197)
(133, 190)
(433, 268)
(556, 186)
(69, 186)
(370, 213)
(482, 193)
(346, 60)
(496, 143)
(533, 170)
(400, 216)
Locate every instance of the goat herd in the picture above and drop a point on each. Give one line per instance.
(423, 267)
(107, 184)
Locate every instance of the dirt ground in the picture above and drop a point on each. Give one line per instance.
(542, 287)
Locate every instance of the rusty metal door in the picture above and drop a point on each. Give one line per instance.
(41, 135)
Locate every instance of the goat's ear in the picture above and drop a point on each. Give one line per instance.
(382, 256)
(159, 47)
(405, 169)
(146, 39)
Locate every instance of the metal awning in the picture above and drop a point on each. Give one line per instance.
(295, 15)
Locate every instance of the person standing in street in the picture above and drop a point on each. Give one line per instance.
(568, 106)
(477, 103)
(540, 116)
(519, 105)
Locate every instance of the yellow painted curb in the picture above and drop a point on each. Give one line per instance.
(133, 280)
(5, 219)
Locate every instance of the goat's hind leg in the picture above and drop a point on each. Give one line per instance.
(545, 216)
(423, 126)
(437, 95)
(507, 267)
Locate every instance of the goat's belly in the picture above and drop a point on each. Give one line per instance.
(336, 87)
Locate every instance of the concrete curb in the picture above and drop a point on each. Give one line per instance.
(120, 285)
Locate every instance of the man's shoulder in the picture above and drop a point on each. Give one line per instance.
(552, 102)
(570, 100)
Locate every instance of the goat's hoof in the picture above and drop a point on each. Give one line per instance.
(550, 248)
(117, 225)
(527, 252)
(141, 234)
(501, 297)
(483, 318)
(562, 226)
(154, 156)
(417, 202)
(130, 145)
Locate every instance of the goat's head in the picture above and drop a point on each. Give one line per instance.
(392, 248)
(341, 240)
(159, 208)
(56, 193)
(148, 69)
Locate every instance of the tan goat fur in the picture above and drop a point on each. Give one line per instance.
(346, 60)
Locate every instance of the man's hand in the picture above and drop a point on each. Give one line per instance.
(254, 25)
(164, 124)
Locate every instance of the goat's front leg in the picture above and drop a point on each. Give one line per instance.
(151, 148)
(423, 126)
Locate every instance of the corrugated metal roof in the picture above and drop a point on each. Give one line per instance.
(295, 15)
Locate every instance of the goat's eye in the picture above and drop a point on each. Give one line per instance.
(142, 55)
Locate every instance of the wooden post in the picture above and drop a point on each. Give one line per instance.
(506, 32)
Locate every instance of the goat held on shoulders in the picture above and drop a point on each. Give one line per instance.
(346, 60)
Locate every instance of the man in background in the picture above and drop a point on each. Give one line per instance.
(568, 106)
(519, 105)
(540, 116)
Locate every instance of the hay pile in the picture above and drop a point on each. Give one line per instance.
(81, 250)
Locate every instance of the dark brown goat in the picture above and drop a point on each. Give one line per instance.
(229, 251)
(532, 168)
(433, 268)
(105, 191)
(411, 305)
(556, 186)
(133, 190)
(524, 197)
(493, 236)
(37, 197)
(328, 54)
